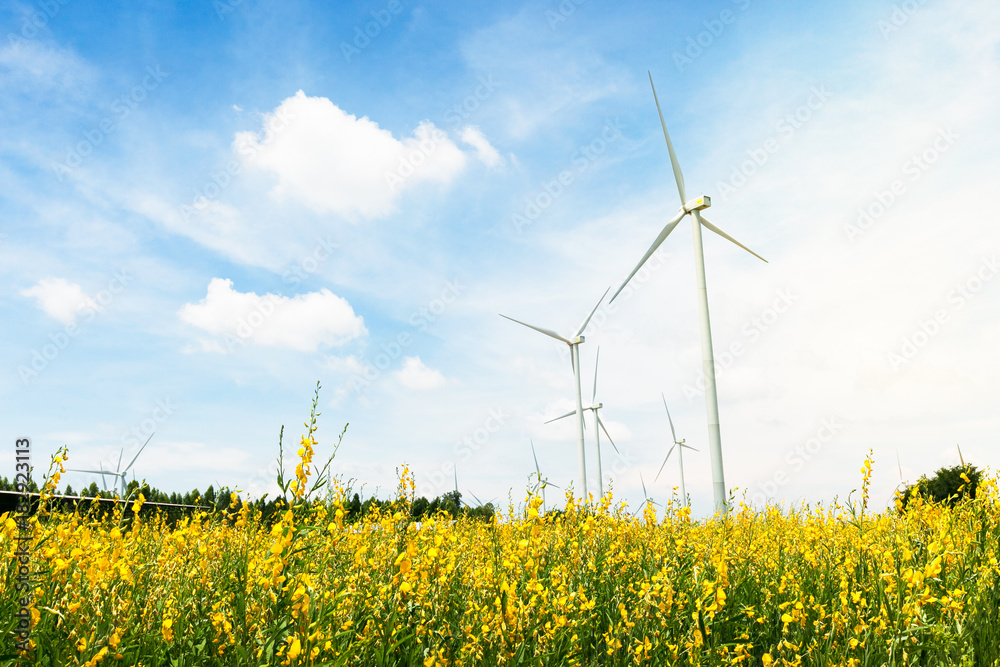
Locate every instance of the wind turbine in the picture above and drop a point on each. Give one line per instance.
(694, 207)
(120, 473)
(542, 481)
(646, 499)
(481, 503)
(598, 425)
(679, 446)
(900, 466)
(574, 346)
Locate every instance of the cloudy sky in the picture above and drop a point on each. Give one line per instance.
(208, 207)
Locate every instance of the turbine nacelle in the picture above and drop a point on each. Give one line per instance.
(699, 204)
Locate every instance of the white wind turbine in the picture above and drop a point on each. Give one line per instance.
(598, 425)
(679, 446)
(541, 482)
(120, 473)
(574, 347)
(694, 207)
(646, 499)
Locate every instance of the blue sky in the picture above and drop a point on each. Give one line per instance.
(207, 207)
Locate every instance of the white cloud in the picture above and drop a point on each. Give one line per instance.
(334, 162)
(60, 298)
(484, 150)
(303, 322)
(417, 376)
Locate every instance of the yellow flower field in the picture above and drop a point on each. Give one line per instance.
(588, 585)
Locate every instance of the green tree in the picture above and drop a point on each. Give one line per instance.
(949, 485)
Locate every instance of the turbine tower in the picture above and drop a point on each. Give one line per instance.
(679, 446)
(598, 426)
(574, 347)
(694, 207)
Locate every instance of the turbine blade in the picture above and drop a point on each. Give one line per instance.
(645, 495)
(678, 176)
(120, 455)
(726, 236)
(664, 465)
(960, 457)
(546, 482)
(674, 434)
(537, 469)
(596, 306)
(605, 429)
(597, 359)
(568, 414)
(547, 332)
(656, 244)
(686, 446)
(91, 472)
(139, 452)
(900, 466)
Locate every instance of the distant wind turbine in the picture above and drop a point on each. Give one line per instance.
(541, 482)
(480, 502)
(646, 498)
(120, 473)
(574, 346)
(598, 426)
(680, 447)
(694, 207)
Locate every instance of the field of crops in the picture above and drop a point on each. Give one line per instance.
(587, 585)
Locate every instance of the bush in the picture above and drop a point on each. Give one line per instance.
(947, 486)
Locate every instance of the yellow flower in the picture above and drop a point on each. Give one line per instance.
(294, 649)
